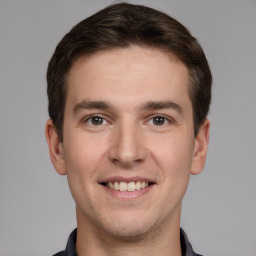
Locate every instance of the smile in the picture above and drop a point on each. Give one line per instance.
(124, 186)
(127, 186)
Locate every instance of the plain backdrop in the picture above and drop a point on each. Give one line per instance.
(37, 212)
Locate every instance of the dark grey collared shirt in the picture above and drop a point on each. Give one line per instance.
(70, 248)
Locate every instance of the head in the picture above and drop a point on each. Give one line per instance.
(120, 26)
(129, 91)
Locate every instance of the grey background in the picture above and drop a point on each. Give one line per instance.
(36, 209)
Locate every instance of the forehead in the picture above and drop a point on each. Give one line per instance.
(135, 72)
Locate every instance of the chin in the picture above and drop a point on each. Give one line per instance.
(129, 233)
(132, 227)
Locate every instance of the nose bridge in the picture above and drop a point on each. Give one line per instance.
(127, 147)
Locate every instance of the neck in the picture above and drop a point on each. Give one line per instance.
(163, 240)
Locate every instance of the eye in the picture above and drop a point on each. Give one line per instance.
(95, 120)
(158, 120)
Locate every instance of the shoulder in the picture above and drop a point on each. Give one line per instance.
(186, 246)
(62, 253)
(70, 247)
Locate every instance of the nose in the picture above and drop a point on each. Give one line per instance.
(127, 146)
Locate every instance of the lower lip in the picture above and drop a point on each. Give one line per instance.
(128, 195)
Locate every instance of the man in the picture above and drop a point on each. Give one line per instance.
(129, 90)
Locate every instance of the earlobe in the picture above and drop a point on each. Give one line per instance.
(200, 148)
(55, 148)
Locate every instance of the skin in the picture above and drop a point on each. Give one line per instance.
(139, 136)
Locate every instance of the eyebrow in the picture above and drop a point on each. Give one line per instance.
(150, 105)
(91, 105)
(158, 105)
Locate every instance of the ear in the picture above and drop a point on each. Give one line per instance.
(200, 148)
(55, 148)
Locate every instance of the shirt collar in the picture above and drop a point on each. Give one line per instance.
(186, 247)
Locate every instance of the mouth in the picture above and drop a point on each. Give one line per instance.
(124, 186)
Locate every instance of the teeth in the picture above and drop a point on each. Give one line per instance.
(116, 185)
(131, 186)
(138, 185)
(111, 185)
(124, 186)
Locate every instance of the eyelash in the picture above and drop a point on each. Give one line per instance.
(166, 119)
(151, 118)
(86, 119)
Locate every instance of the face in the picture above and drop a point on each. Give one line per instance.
(128, 146)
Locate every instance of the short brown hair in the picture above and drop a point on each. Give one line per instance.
(119, 26)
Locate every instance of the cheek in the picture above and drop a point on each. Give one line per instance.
(81, 164)
(83, 157)
(173, 154)
(83, 151)
(174, 157)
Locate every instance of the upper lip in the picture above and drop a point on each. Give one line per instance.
(126, 179)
